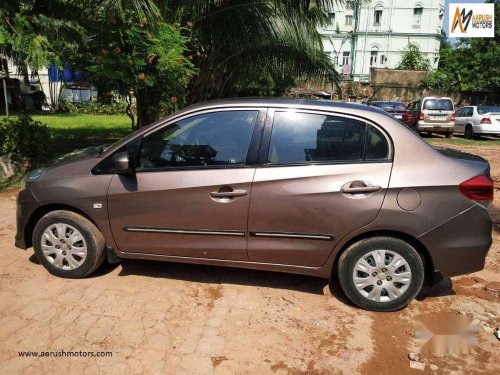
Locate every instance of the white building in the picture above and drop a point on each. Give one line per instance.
(375, 34)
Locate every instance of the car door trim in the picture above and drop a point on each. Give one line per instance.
(308, 236)
(185, 231)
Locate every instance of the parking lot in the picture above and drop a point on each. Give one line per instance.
(161, 318)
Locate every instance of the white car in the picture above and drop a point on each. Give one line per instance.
(472, 121)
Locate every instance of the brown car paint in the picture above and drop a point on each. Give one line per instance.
(298, 220)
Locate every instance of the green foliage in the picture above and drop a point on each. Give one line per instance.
(471, 66)
(95, 108)
(24, 138)
(413, 59)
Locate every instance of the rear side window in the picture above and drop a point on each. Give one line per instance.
(376, 145)
(305, 137)
(438, 104)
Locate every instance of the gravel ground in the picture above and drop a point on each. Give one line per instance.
(160, 318)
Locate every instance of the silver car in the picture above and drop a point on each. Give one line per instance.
(473, 121)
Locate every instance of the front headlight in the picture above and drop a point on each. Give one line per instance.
(31, 177)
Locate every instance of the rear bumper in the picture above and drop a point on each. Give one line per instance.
(460, 245)
(436, 127)
(487, 129)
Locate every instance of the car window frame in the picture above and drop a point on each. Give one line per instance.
(459, 112)
(251, 157)
(266, 140)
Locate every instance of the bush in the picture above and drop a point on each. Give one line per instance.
(95, 108)
(24, 138)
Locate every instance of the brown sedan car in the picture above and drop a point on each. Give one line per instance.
(312, 187)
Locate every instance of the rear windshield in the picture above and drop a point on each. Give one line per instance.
(439, 104)
(487, 109)
(395, 106)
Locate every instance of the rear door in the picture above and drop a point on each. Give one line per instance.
(322, 176)
(190, 194)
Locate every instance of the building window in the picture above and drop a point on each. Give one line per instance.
(335, 60)
(349, 5)
(417, 15)
(377, 20)
(383, 60)
(348, 20)
(331, 17)
(345, 58)
(373, 58)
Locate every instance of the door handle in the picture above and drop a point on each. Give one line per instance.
(228, 194)
(359, 187)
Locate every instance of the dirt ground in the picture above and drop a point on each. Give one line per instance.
(160, 318)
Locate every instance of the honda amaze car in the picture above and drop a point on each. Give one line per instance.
(310, 187)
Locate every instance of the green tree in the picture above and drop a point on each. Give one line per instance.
(470, 66)
(413, 59)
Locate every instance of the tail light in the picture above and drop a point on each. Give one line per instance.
(479, 188)
(485, 120)
(421, 117)
(453, 116)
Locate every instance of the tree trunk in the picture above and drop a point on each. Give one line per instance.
(128, 110)
(148, 105)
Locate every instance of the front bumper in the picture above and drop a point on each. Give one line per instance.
(26, 204)
(460, 245)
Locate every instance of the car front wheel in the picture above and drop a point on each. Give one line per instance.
(68, 245)
(381, 273)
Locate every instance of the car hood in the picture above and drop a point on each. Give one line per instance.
(77, 155)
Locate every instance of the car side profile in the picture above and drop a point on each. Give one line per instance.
(474, 121)
(431, 115)
(333, 190)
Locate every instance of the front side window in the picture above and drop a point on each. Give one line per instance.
(303, 137)
(459, 112)
(205, 140)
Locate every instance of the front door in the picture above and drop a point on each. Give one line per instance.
(325, 176)
(190, 194)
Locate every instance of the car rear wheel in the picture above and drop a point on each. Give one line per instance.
(68, 245)
(469, 132)
(381, 273)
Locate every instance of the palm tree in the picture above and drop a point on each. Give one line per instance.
(237, 43)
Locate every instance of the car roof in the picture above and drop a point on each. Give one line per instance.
(283, 103)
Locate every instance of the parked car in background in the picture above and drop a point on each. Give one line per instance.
(472, 121)
(432, 115)
(311, 187)
(396, 109)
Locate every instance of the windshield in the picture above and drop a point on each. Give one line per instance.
(439, 104)
(487, 109)
(394, 106)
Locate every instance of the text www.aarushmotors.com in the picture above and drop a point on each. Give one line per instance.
(65, 354)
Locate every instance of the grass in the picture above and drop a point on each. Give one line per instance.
(459, 140)
(75, 131)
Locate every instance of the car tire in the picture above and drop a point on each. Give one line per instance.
(379, 291)
(469, 132)
(68, 245)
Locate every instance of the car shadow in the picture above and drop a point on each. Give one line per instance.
(207, 274)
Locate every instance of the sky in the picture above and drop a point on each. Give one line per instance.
(445, 26)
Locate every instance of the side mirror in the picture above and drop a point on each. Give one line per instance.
(121, 162)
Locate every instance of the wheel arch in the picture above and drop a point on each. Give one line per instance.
(45, 209)
(414, 242)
